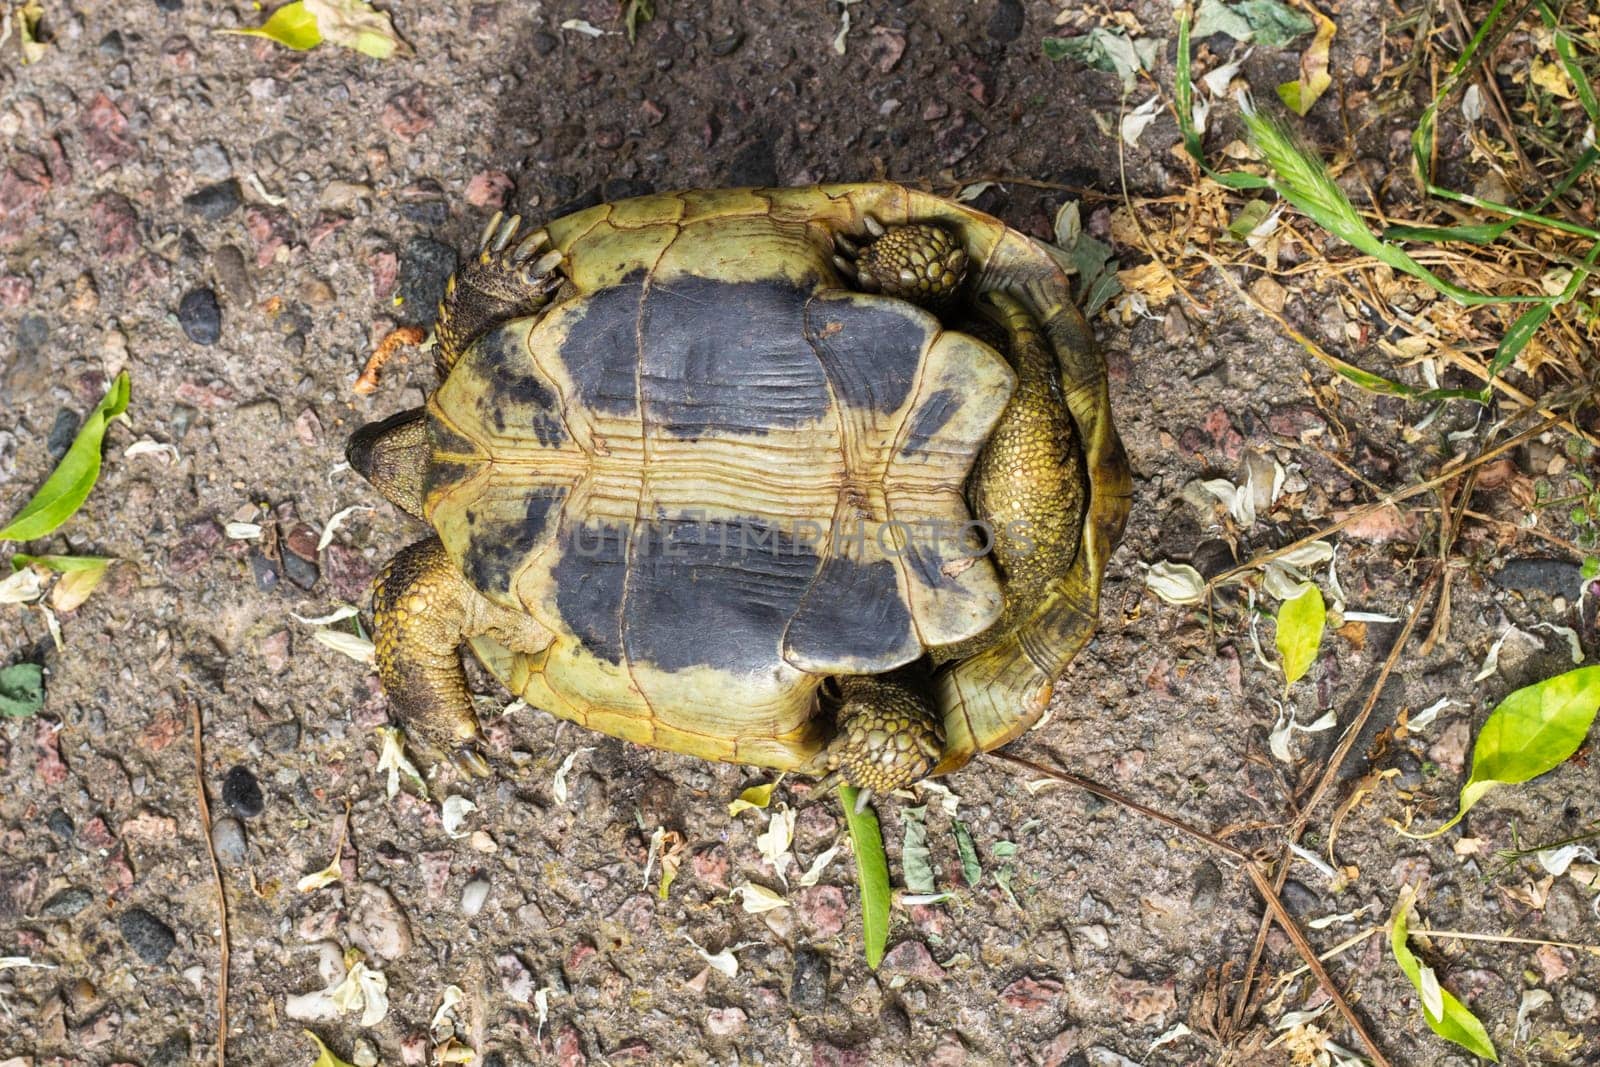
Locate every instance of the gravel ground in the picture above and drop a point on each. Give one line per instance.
(236, 225)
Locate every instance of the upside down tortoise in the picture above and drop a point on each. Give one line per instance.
(731, 473)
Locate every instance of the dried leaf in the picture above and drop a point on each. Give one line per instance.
(1105, 49)
(337, 521)
(1314, 77)
(355, 25)
(758, 898)
(393, 760)
(774, 843)
(756, 798)
(814, 872)
(1176, 583)
(1265, 22)
(454, 814)
(916, 861)
(357, 648)
(558, 784)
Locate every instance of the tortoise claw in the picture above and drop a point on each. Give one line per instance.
(470, 762)
(488, 230)
(846, 246)
(847, 268)
(507, 232)
(874, 227)
(528, 246)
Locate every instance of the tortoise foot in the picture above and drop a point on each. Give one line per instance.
(888, 734)
(920, 263)
(511, 276)
(419, 607)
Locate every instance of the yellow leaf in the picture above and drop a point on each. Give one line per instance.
(753, 799)
(355, 25)
(1314, 76)
(1551, 78)
(28, 18)
(326, 1058)
(292, 26)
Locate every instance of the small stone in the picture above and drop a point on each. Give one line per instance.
(544, 43)
(808, 985)
(1537, 574)
(1207, 884)
(822, 908)
(473, 894)
(242, 793)
(911, 958)
(727, 43)
(1410, 768)
(60, 824)
(227, 838)
(1032, 995)
(378, 926)
(301, 571)
(516, 981)
(67, 903)
(151, 939)
(214, 202)
(172, 1052)
(170, 5)
(725, 1022)
(710, 866)
(62, 431)
(425, 265)
(1300, 900)
(200, 316)
(262, 570)
(274, 649)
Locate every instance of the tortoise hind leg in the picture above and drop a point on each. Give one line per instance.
(507, 279)
(919, 262)
(887, 735)
(423, 609)
(419, 617)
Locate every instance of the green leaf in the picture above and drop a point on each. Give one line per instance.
(1534, 730)
(68, 485)
(292, 26)
(916, 861)
(1249, 217)
(1300, 623)
(1454, 1022)
(1266, 22)
(635, 12)
(1517, 338)
(62, 564)
(971, 869)
(1590, 569)
(1103, 49)
(872, 872)
(79, 576)
(21, 690)
(326, 1058)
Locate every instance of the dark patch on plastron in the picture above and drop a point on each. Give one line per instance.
(853, 615)
(443, 474)
(871, 350)
(590, 580)
(443, 439)
(601, 349)
(930, 419)
(716, 594)
(513, 396)
(728, 358)
(502, 535)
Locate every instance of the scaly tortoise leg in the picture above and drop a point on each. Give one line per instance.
(506, 280)
(420, 608)
(920, 263)
(423, 609)
(887, 735)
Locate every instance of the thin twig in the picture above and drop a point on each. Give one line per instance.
(216, 874)
(1263, 887)
(1458, 935)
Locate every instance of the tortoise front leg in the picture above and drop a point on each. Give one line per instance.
(420, 611)
(504, 281)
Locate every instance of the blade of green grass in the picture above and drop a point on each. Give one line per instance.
(872, 872)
